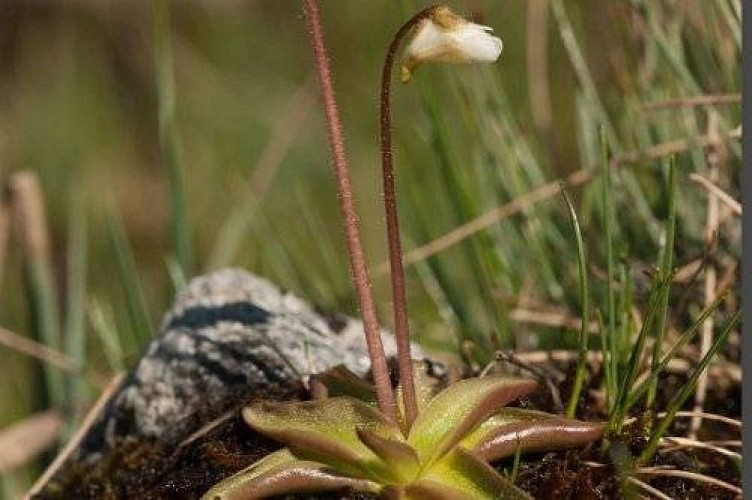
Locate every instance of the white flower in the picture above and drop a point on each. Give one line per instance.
(446, 37)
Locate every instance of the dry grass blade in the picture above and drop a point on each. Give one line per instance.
(707, 416)
(648, 489)
(694, 476)
(537, 71)
(30, 224)
(24, 440)
(674, 442)
(88, 421)
(468, 229)
(36, 350)
(689, 102)
(674, 147)
(206, 429)
(719, 371)
(28, 211)
(282, 135)
(713, 189)
(550, 318)
(712, 223)
(4, 233)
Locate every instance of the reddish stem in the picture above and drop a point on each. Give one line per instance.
(358, 268)
(399, 296)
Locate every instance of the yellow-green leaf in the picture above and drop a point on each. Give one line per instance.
(460, 475)
(458, 409)
(325, 431)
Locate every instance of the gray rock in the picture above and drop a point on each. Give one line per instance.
(227, 331)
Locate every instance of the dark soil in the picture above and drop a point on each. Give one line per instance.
(144, 471)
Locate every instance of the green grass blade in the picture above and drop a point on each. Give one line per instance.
(576, 57)
(168, 135)
(103, 324)
(683, 340)
(135, 302)
(625, 306)
(686, 391)
(175, 271)
(585, 313)
(32, 228)
(46, 322)
(607, 207)
(665, 269)
(618, 413)
(611, 389)
(75, 322)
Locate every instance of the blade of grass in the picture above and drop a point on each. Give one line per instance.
(585, 309)
(607, 207)
(177, 278)
(103, 324)
(464, 206)
(75, 330)
(516, 463)
(675, 405)
(625, 325)
(618, 413)
(168, 135)
(683, 340)
(135, 303)
(610, 382)
(31, 225)
(664, 269)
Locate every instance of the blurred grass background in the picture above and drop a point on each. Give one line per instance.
(79, 106)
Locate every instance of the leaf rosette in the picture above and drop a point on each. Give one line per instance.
(344, 443)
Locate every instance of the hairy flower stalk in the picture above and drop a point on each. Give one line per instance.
(438, 35)
(358, 269)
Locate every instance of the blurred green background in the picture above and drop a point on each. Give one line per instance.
(79, 107)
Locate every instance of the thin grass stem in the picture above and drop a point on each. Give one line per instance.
(585, 313)
(75, 329)
(135, 302)
(168, 135)
(607, 206)
(665, 269)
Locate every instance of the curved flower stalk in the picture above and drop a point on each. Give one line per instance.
(436, 35)
(345, 443)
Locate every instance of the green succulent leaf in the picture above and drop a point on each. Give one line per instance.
(325, 431)
(461, 475)
(340, 381)
(426, 386)
(281, 473)
(500, 435)
(401, 458)
(458, 409)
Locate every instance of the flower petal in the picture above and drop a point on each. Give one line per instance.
(477, 45)
(446, 37)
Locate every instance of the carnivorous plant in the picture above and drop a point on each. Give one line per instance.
(433, 441)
